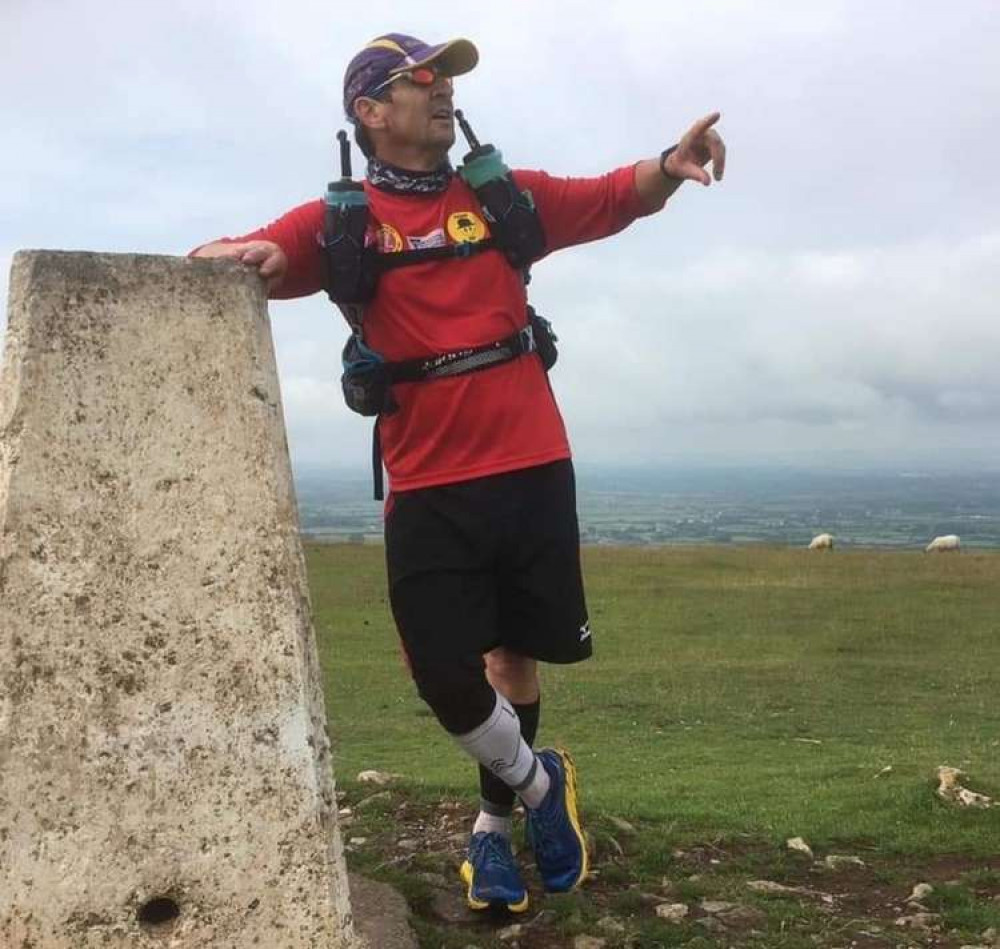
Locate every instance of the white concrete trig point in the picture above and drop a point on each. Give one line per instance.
(165, 773)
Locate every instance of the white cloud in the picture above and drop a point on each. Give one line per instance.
(845, 347)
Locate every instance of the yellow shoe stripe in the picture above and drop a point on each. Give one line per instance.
(571, 806)
(519, 907)
(465, 872)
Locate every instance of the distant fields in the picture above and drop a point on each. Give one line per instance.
(721, 506)
(735, 690)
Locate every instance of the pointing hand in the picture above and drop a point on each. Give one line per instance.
(700, 145)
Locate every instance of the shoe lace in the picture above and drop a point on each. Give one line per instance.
(493, 853)
(545, 829)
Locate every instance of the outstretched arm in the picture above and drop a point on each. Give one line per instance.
(577, 210)
(656, 179)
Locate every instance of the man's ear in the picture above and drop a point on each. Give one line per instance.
(370, 113)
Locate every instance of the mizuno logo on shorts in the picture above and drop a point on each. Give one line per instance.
(585, 631)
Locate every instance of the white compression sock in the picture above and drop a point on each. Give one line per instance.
(498, 746)
(533, 793)
(487, 823)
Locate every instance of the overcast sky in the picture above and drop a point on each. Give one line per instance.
(835, 301)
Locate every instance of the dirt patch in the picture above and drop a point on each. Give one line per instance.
(418, 847)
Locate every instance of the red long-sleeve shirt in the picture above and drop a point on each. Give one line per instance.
(499, 419)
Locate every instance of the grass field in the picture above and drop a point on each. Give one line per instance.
(749, 694)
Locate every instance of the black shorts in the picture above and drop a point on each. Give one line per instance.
(490, 562)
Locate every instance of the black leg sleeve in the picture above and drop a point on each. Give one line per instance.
(457, 691)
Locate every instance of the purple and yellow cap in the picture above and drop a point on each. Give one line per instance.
(395, 52)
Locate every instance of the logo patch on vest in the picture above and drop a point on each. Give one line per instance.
(436, 238)
(388, 239)
(466, 227)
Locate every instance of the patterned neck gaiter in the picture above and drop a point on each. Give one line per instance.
(395, 180)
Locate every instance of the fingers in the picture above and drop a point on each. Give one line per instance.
(687, 171)
(245, 253)
(273, 266)
(700, 145)
(702, 126)
(700, 175)
(270, 261)
(268, 267)
(256, 254)
(221, 250)
(267, 257)
(717, 149)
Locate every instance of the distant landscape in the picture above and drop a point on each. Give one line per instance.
(777, 506)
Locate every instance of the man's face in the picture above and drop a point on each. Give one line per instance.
(418, 117)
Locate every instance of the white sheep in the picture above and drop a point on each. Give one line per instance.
(944, 544)
(821, 542)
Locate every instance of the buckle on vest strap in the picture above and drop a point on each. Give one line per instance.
(526, 339)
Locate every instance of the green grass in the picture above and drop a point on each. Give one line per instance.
(962, 910)
(734, 691)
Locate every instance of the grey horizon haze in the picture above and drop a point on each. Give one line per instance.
(833, 302)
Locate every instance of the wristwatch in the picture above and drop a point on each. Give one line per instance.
(664, 155)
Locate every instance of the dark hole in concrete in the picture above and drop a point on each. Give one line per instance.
(159, 911)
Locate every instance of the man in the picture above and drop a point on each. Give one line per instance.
(482, 545)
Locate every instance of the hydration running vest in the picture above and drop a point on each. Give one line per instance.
(353, 266)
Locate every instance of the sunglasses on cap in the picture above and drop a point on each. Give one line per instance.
(421, 76)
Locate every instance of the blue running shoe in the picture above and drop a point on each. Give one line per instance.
(492, 876)
(553, 828)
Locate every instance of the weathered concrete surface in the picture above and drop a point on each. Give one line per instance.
(162, 730)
